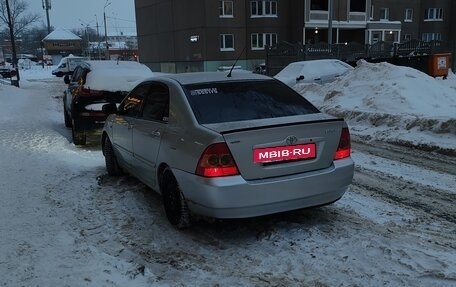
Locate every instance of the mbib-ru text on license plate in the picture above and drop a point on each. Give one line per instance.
(281, 153)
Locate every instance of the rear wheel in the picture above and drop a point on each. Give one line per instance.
(112, 166)
(79, 136)
(176, 208)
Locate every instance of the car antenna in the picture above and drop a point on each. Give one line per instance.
(232, 67)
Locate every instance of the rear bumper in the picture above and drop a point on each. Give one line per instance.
(89, 122)
(233, 197)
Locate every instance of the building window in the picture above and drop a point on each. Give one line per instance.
(433, 14)
(358, 6)
(384, 13)
(226, 9)
(226, 42)
(407, 37)
(408, 15)
(260, 40)
(263, 8)
(321, 5)
(428, 37)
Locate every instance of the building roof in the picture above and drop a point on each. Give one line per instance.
(61, 34)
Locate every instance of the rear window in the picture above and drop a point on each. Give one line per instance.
(247, 100)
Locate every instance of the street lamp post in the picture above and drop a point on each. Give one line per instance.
(98, 38)
(105, 30)
(88, 41)
(87, 35)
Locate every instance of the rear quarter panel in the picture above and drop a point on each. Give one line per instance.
(184, 139)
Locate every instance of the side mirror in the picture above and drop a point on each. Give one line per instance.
(66, 79)
(109, 108)
(300, 78)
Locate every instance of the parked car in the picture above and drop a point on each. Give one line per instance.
(227, 147)
(93, 84)
(5, 70)
(314, 71)
(67, 65)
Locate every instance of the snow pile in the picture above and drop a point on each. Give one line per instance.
(394, 100)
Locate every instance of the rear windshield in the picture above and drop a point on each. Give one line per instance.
(247, 100)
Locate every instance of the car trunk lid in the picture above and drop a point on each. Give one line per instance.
(282, 146)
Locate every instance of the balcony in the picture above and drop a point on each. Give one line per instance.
(318, 15)
(357, 17)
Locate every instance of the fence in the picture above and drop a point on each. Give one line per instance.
(413, 53)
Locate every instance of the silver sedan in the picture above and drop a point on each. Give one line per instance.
(222, 146)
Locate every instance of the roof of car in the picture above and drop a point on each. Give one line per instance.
(115, 76)
(204, 77)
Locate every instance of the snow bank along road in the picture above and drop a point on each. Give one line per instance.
(66, 223)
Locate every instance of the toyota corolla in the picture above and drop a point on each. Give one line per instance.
(227, 146)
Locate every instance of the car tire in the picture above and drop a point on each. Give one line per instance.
(59, 74)
(175, 205)
(79, 137)
(67, 118)
(112, 166)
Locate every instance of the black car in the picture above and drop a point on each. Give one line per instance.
(93, 84)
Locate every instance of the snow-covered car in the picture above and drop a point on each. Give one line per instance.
(227, 147)
(93, 84)
(313, 71)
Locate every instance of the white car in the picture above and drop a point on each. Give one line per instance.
(314, 71)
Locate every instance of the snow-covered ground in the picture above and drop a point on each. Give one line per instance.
(64, 222)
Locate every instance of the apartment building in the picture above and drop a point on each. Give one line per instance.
(206, 35)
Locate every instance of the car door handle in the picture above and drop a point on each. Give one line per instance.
(155, 134)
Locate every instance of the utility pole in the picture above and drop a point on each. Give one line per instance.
(47, 7)
(330, 19)
(13, 44)
(105, 30)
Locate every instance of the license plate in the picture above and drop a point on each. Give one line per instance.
(281, 153)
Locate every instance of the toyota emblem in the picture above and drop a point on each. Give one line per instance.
(291, 140)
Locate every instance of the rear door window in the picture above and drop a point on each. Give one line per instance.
(245, 100)
(77, 74)
(131, 105)
(156, 107)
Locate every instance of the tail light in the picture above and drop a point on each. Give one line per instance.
(216, 161)
(88, 92)
(343, 150)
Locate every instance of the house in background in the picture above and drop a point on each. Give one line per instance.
(61, 43)
(123, 46)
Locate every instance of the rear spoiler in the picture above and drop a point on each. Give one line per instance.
(241, 126)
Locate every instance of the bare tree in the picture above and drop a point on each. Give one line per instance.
(17, 21)
(20, 19)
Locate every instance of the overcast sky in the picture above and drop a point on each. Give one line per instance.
(77, 14)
